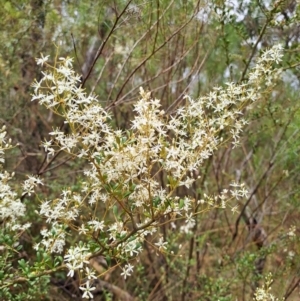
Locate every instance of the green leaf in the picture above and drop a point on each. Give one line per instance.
(108, 260)
(22, 263)
(115, 210)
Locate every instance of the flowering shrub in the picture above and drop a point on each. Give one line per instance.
(122, 200)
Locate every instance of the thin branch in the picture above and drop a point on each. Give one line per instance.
(99, 51)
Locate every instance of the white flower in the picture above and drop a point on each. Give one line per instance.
(161, 244)
(127, 270)
(87, 290)
(234, 209)
(97, 225)
(82, 229)
(90, 274)
(47, 145)
(72, 268)
(292, 231)
(42, 60)
(36, 85)
(30, 184)
(131, 247)
(67, 61)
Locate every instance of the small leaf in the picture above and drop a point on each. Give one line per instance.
(115, 210)
(108, 260)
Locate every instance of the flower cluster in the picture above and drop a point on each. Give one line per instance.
(75, 258)
(263, 293)
(53, 240)
(122, 179)
(30, 184)
(11, 207)
(263, 68)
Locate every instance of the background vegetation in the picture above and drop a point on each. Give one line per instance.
(171, 48)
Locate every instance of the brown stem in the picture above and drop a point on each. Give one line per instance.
(99, 51)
